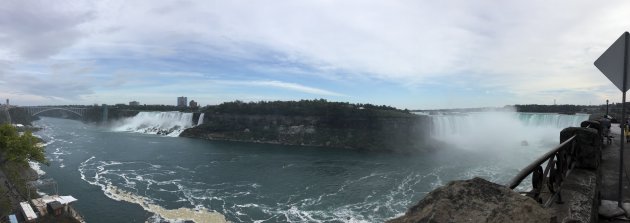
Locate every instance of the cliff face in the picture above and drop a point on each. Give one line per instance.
(398, 134)
(18, 116)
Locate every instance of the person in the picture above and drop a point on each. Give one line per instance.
(626, 130)
(605, 123)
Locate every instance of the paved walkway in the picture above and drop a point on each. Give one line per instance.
(609, 168)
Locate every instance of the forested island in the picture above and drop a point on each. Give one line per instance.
(315, 123)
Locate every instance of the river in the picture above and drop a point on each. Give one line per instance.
(131, 176)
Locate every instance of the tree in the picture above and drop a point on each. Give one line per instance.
(19, 148)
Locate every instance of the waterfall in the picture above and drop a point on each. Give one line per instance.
(200, 121)
(160, 123)
(501, 129)
(550, 119)
(462, 122)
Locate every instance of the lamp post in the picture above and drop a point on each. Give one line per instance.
(606, 107)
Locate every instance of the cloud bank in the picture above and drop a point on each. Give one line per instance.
(529, 52)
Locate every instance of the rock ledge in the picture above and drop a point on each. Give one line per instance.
(475, 200)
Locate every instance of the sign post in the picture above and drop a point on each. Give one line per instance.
(614, 64)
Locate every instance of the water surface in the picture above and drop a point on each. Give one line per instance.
(249, 182)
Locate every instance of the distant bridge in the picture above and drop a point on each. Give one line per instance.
(36, 110)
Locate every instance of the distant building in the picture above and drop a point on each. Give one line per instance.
(134, 103)
(182, 101)
(193, 104)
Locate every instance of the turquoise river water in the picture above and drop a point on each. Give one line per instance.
(129, 176)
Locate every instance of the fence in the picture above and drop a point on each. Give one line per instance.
(559, 163)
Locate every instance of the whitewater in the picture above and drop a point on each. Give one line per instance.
(129, 171)
(160, 123)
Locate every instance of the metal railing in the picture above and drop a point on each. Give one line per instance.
(560, 161)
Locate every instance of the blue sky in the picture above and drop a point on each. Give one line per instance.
(408, 54)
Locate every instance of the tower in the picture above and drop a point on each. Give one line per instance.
(182, 101)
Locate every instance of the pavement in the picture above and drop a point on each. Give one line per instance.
(609, 168)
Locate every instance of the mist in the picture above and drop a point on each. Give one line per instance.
(502, 131)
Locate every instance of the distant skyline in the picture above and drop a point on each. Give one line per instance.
(407, 54)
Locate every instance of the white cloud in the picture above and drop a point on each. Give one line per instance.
(521, 47)
(284, 85)
(400, 40)
(207, 91)
(37, 29)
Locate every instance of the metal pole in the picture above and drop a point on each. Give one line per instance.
(623, 118)
(606, 108)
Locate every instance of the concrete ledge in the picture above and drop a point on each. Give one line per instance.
(579, 196)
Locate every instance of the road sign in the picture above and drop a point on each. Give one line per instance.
(611, 63)
(614, 64)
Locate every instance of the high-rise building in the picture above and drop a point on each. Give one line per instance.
(134, 103)
(182, 101)
(193, 104)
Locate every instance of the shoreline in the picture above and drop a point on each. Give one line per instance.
(19, 180)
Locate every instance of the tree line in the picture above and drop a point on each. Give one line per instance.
(550, 108)
(19, 148)
(317, 107)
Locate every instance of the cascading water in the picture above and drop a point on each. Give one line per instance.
(200, 119)
(550, 119)
(501, 130)
(160, 123)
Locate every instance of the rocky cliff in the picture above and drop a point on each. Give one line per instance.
(475, 200)
(399, 134)
(17, 116)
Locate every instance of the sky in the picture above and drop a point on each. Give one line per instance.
(409, 54)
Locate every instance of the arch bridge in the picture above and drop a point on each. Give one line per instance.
(36, 110)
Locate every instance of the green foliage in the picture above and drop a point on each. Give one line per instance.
(20, 148)
(549, 108)
(152, 108)
(319, 107)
